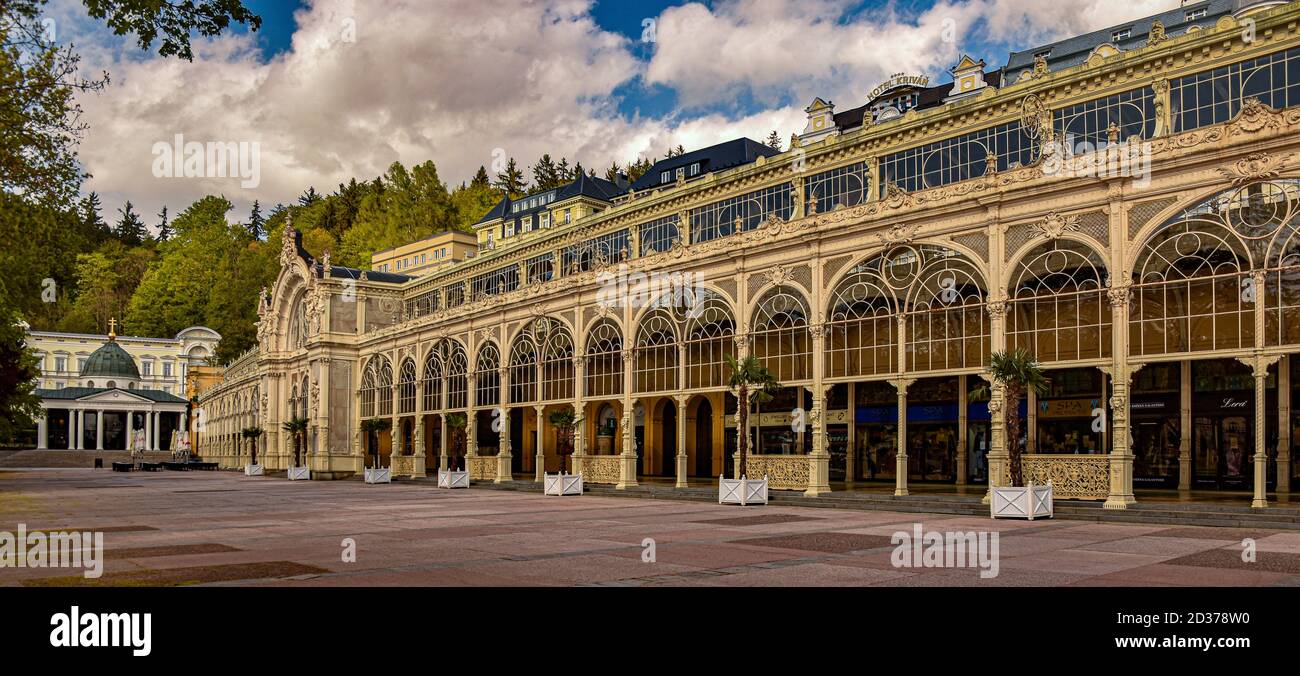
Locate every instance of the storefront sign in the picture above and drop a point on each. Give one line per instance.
(1067, 408)
(1225, 402)
(1149, 406)
(932, 413)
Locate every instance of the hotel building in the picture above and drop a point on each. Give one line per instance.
(1123, 204)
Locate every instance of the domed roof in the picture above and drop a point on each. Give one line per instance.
(110, 361)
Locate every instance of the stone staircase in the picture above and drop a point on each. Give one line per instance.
(1219, 514)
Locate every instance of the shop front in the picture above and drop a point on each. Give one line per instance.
(876, 431)
(1223, 426)
(1070, 419)
(1155, 417)
(932, 422)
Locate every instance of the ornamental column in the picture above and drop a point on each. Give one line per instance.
(81, 430)
(396, 440)
(1284, 425)
(442, 421)
(99, 430)
(962, 425)
(681, 441)
(627, 460)
(504, 456)
(819, 460)
(42, 432)
(540, 462)
(900, 471)
(1259, 365)
(579, 413)
(1185, 426)
(471, 417)
(1121, 452)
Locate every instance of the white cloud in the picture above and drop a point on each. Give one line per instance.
(453, 80)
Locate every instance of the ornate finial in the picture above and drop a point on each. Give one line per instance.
(325, 263)
(112, 329)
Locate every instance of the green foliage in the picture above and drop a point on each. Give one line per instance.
(511, 181)
(130, 229)
(753, 384)
(1017, 373)
(171, 23)
(19, 369)
(564, 419)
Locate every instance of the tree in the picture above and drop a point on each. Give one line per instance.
(565, 421)
(1017, 373)
(297, 429)
(252, 434)
(19, 369)
(309, 197)
(612, 173)
(774, 140)
(511, 181)
(130, 229)
(164, 230)
(91, 222)
(372, 427)
(546, 175)
(257, 224)
(754, 385)
(456, 425)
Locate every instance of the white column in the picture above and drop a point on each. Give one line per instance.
(42, 432)
(130, 431)
(81, 430)
(99, 430)
(156, 443)
(72, 429)
(148, 430)
(540, 460)
(681, 441)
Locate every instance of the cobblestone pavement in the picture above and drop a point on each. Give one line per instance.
(182, 528)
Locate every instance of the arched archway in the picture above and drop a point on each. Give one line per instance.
(1057, 308)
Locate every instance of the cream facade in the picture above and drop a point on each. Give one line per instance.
(426, 255)
(873, 271)
(163, 362)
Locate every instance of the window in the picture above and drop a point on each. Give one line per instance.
(546, 219)
(658, 235)
(60, 364)
(1121, 34)
(1043, 54)
(1195, 14)
(957, 159)
(498, 281)
(81, 364)
(510, 230)
(836, 188)
(596, 251)
(695, 168)
(147, 368)
(540, 268)
(167, 369)
(568, 214)
(743, 212)
(1134, 112)
(665, 177)
(1217, 96)
(681, 173)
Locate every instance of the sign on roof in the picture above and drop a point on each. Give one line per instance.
(899, 80)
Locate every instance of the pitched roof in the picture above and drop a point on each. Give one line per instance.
(340, 272)
(731, 153)
(73, 393)
(583, 186)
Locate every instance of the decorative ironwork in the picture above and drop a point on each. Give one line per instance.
(601, 469)
(783, 472)
(1073, 477)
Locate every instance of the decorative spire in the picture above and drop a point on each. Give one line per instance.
(112, 329)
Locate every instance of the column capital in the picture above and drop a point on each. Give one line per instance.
(1259, 363)
(903, 384)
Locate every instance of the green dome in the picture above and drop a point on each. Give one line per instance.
(110, 361)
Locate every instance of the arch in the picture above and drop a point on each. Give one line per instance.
(557, 351)
(487, 380)
(1057, 307)
(603, 357)
(523, 368)
(779, 337)
(709, 338)
(1195, 273)
(457, 375)
(376, 388)
(406, 387)
(656, 353)
(431, 378)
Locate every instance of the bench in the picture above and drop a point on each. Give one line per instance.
(205, 466)
(122, 467)
(150, 466)
(176, 466)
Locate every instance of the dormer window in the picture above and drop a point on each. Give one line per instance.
(1121, 34)
(1043, 54)
(1194, 14)
(681, 173)
(666, 177)
(695, 169)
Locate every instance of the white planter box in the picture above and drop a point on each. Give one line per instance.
(742, 491)
(562, 484)
(1024, 502)
(253, 470)
(299, 474)
(380, 475)
(453, 479)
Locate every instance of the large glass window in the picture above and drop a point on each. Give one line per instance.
(957, 159)
(1216, 96)
(840, 187)
(740, 213)
(1133, 113)
(658, 235)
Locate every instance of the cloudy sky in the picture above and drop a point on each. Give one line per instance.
(335, 89)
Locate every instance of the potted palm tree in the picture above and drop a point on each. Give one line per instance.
(564, 421)
(753, 384)
(450, 477)
(377, 474)
(297, 429)
(1018, 373)
(251, 434)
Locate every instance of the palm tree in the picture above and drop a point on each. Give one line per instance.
(755, 385)
(456, 423)
(372, 427)
(298, 428)
(564, 421)
(1018, 373)
(253, 433)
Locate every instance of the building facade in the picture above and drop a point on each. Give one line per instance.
(426, 255)
(163, 363)
(1129, 216)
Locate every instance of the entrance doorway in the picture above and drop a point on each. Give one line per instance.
(668, 437)
(704, 439)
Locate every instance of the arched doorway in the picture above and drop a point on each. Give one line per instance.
(668, 438)
(704, 439)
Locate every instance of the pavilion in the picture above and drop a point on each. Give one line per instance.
(107, 417)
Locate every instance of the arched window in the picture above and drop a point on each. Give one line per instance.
(306, 393)
(487, 379)
(406, 387)
(710, 338)
(604, 360)
(861, 325)
(298, 324)
(557, 362)
(432, 380)
(656, 353)
(780, 336)
(376, 388)
(947, 323)
(457, 368)
(523, 368)
(1058, 309)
